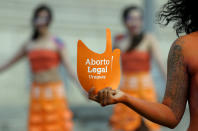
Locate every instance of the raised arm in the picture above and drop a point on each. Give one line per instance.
(170, 112)
(19, 55)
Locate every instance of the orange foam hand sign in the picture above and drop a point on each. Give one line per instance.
(98, 70)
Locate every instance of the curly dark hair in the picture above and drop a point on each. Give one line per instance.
(183, 13)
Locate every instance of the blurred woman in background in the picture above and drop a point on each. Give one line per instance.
(137, 47)
(48, 108)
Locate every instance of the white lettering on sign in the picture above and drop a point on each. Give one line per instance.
(97, 62)
(99, 70)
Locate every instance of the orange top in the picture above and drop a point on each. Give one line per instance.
(135, 61)
(43, 59)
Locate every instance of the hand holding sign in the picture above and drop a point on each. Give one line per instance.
(98, 70)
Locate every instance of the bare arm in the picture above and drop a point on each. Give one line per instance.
(66, 63)
(18, 56)
(156, 54)
(176, 94)
(170, 112)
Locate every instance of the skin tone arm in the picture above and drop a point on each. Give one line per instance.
(171, 110)
(66, 64)
(18, 56)
(156, 55)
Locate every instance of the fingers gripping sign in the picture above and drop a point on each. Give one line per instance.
(98, 70)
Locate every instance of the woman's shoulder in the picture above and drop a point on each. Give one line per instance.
(120, 36)
(58, 41)
(120, 41)
(189, 37)
(184, 39)
(187, 43)
(149, 36)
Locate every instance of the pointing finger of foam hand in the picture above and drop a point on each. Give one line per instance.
(108, 41)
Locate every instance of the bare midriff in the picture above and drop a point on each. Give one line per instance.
(50, 75)
(44, 65)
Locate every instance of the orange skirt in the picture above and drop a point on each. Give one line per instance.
(48, 108)
(138, 85)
